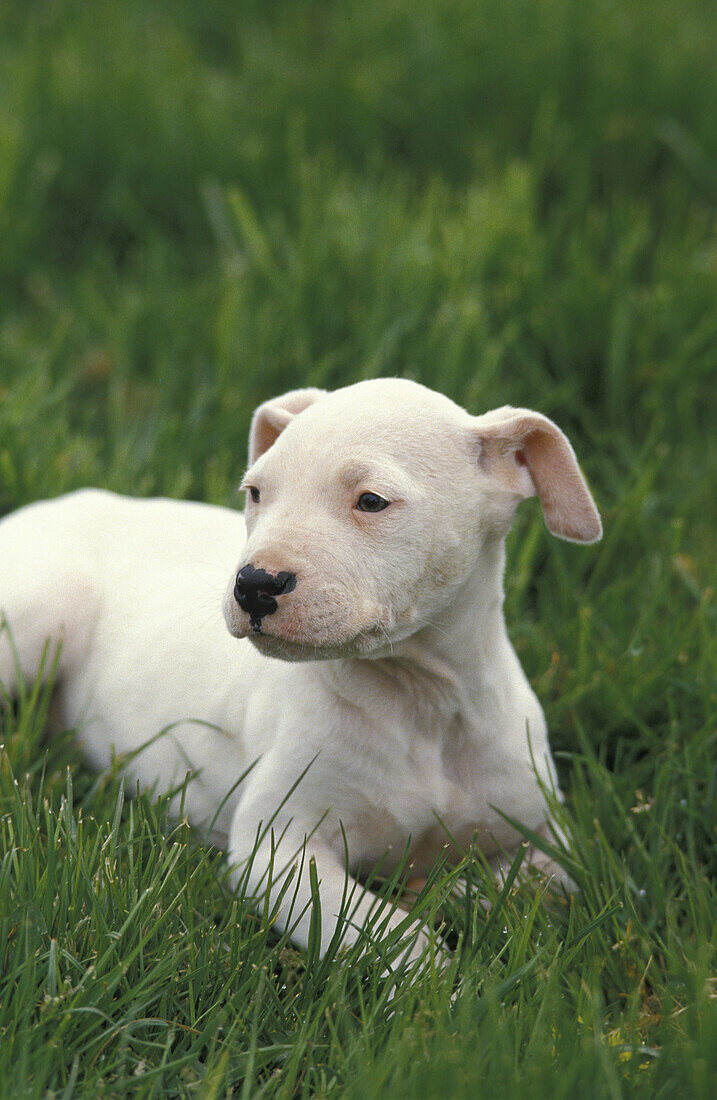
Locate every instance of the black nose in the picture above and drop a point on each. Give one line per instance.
(255, 589)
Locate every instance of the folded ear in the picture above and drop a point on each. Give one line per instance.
(524, 453)
(270, 419)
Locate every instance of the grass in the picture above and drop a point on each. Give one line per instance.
(201, 206)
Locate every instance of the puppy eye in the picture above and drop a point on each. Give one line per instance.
(253, 493)
(371, 502)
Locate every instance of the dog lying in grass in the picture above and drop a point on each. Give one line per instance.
(366, 673)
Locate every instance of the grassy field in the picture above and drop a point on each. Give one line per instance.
(204, 204)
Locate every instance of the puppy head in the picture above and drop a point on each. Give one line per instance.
(368, 510)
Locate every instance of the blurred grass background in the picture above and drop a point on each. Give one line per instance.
(204, 205)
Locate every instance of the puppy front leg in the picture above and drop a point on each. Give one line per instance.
(278, 866)
(537, 860)
(556, 874)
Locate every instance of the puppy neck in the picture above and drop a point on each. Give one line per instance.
(465, 634)
(441, 669)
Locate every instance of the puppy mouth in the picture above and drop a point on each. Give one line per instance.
(276, 644)
(313, 635)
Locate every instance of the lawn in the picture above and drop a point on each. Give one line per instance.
(202, 205)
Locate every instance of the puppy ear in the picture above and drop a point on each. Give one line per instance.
(524, 453)
(270, 419)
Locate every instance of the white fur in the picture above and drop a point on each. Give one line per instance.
(399, 694)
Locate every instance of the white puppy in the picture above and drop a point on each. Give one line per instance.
(396, 713)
